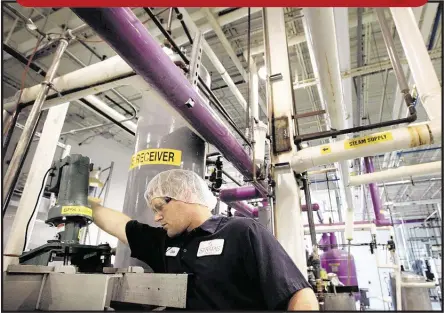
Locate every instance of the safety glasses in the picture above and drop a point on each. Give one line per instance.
(158, 206)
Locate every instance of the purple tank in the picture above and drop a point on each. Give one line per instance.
(336, 261)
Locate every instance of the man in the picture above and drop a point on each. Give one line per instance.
(233, 262)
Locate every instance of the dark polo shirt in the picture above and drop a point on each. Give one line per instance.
(233, 262)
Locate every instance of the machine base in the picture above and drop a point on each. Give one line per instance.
(51, 288)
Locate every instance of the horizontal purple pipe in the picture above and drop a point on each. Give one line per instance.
(123, 31)
(239, 194)
(249, 193)
(314, 207)
(244, 209)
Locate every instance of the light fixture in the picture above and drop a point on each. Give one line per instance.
(167, 51)
(30, 25)
(262, 73)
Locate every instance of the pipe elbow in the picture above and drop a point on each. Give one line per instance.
(298, 163)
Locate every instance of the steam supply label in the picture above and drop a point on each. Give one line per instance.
(367, 140)
(156, 156)
(325, 150)
(74, 210)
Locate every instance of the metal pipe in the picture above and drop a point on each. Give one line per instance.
(31, 123)
(421, 66)
(239, 194)
(435, 26)
(170, 19)
(389, 175)
(232, 178)
(105, 196)
(37, 134)
(206, 90)
(310, 216)
(396, 139)
(391, 49)
(130, 39)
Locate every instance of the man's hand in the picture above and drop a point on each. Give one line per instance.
(303, 300)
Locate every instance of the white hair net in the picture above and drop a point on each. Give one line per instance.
(181, 185)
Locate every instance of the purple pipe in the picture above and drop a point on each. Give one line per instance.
(244, 209)
(239, 194)
(314, 207)
(333, 241)
(374, 193)
(123, 31)
(249, 193)
(324, 242)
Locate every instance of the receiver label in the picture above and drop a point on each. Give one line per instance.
(156, 156)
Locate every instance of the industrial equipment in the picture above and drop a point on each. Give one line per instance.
(53, 276)
(414, 292)
(70, 182)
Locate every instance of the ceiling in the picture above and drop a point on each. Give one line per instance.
(16, 35)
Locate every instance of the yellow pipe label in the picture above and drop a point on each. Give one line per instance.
(156, 156)
(325, 150)
(74, 209)
(367, 140)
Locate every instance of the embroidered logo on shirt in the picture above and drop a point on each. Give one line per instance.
(211, 247)
(172, 251)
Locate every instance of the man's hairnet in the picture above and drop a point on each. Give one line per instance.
(181, 185)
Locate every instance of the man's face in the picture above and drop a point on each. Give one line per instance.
(171, 214)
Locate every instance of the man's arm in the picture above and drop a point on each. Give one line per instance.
(303, 300)
(110, 221)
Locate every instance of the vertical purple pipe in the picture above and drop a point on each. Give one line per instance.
(333, 241)
(325, 242)
(374, 191)
(123, 31)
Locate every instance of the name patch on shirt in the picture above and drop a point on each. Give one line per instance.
(172, 251)
(210, 247)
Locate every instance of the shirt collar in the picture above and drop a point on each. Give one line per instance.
(211, 224)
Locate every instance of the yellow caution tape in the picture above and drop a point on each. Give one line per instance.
(74, 210)
(325, 150)
(156, 157)
(367, 140)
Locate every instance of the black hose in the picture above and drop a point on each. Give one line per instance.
(100, 57)
(334, 133)
(184, 26)
(167, 36)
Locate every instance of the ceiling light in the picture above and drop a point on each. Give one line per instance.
(262, 73)
(167, 50)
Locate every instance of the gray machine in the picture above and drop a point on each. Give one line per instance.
(339, 302)
(67, 275)
(413, 299)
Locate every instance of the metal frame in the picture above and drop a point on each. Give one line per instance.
(55, 288)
